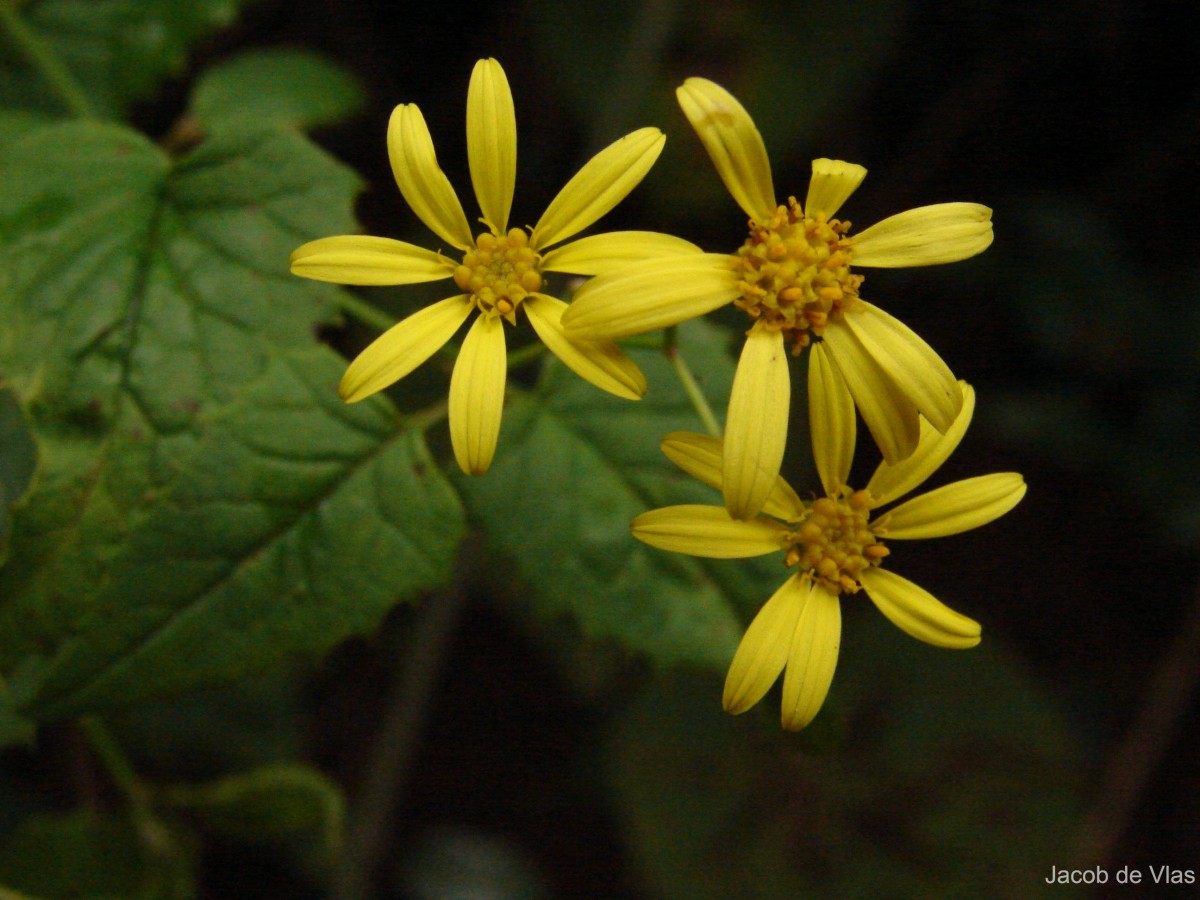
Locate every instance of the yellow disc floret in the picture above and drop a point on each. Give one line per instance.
(794, 273)
(833, 543)
(500, 272)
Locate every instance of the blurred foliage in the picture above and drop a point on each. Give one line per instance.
(192, 524)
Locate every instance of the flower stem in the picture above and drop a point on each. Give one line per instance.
(369, 315)
(690, 385)
(43, 58)
(526, 354)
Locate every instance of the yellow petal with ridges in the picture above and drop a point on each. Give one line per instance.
(833, 181)
(812, 657)
(361, 259)
(403, 347)
(763, 651)
(423, 184)
(477, 395)
(953, 508)
(917, 612)
(700, 455)
(756, 423)
(604, 181)
(597, 254)
(492, 142)
(891, 417)
(892, 481)
(707, 531)
(831, 420)
(733, 143)
(912, 364)
(650, 295)
(602, 363)
(926, 236)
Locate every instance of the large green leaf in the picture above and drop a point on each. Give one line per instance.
(575, 465)
(291, 87)
(296, 521)
(205, 503)
(116, 51)
(137, 295)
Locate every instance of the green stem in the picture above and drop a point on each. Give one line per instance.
(43, 58)
(115, 762)
(423, 419)
(154, 833)
(690, 385)
(366, 313)
(526, 354)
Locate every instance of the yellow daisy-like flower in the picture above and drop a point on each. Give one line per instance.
(793, 277)
(835, 544)
(498, 273)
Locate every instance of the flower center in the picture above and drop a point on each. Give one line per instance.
(795, 273)
(500, 272)
(833, 543)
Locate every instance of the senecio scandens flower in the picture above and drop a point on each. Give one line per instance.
(793, 277)
(835, 544)
(498, 273)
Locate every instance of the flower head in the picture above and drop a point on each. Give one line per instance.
(498, 273)
(795, 278)
(835, 544)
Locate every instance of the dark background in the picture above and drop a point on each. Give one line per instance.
(1078, 124)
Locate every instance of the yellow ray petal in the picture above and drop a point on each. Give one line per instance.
(602, 363)
(360, 259)
(890, 416)
(492, 142)
(733, 143)
(756, 423)
(926, 236)
(700, 456)
(477, 395)
(892, 481)
(831, 420)
(812, 658)
(649, 295)
(705, 531)
(917, 612)
(763, 652)
(953, 508)
(600, 253)
(833, 181)
(912, 364)
(403, 347)
(424, 185)
(601, 184)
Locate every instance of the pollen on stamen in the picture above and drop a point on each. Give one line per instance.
(794, 273)
(834, 544)
(500, 272)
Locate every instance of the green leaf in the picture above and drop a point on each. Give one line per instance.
(139, 295)
(113, 51)
(296, 521)
(267, 803)
(928, 774)
(575, 466)
(290, 87)
(84, 854)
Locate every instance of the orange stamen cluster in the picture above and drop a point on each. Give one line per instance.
(833, 543)
(794, 273)
(500, 272)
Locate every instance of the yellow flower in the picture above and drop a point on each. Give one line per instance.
(834, 543)
(793, 277)
(498, 273)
